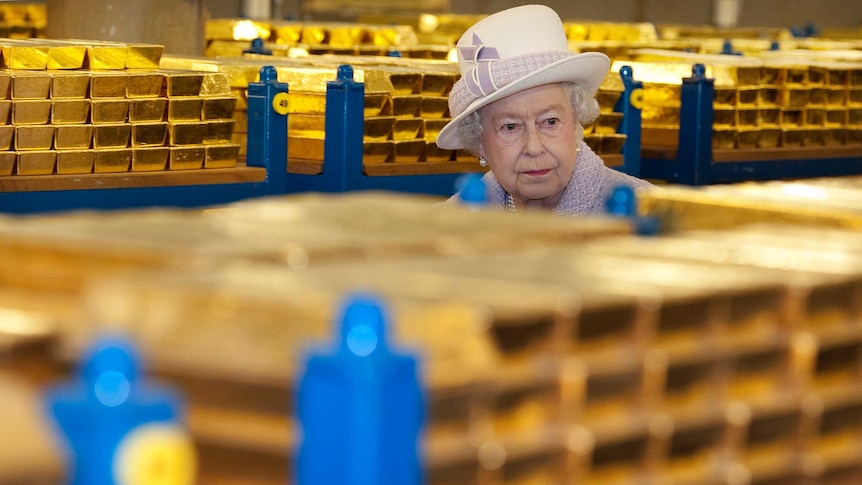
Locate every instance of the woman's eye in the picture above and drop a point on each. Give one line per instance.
(552, 121)
(510, 126)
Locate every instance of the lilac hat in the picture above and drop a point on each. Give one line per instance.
(510, 51)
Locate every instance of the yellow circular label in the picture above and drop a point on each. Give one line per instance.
(279, 103)
(637, 98)
(155, 454)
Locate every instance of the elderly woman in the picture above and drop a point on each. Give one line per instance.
(520, 106)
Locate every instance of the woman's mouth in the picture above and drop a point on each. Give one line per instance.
(537, 173)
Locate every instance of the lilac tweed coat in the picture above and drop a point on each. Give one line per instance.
(589, 187)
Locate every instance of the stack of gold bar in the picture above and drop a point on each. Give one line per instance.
(552, 350)
(22, 20)
(76, 107)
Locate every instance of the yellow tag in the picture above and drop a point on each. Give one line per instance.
(155, 454)
(279, 103)
(636, 98)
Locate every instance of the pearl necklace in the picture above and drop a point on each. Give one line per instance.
(510, 203)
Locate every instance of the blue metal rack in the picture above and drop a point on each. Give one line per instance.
(695, 162)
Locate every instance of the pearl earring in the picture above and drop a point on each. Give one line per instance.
(483, 162)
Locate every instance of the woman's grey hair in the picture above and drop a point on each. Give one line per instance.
(585, 106)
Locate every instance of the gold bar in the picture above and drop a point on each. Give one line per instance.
(185, 108)
(70, 111)
(145, 84)
(31, 112)
(375, 129)
(377, 105)
(107, 56)
(221, 156)
(5, 85)
(407, 129)
(36, 162)
(143, 56)
(186, 158)
(66, 56)
(305, 103)
(150, 159)
(7, 163)
(5, 111)
(300, 148)
(219, 132)
(73, 137)
(187, 134)
(377, 152)
(408, 150)
(30, 86)
(75, 161)
(112, 161)
(34, 137)
(24, 56)
(438, 84)
(433, 153)
(111, 136)
(151, 109)
(149, 134)
(406, 106)
(434, 107)
(108, 85)
(183, 83)
(216, 84)
(219, 108)
(109, 111)
(70, 85)
(7, 135)
(241, 96)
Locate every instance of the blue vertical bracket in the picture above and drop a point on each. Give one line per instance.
(630, 105)
(345, 128)
(267, 129)
(694, 153)
(360, 407)
(119, 429)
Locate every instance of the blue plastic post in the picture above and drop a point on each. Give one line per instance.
(360, 407)
(267, 129)
(257, 47)
(472, 190)
(623, 203)
(694, 154)
(116, 426)
(345, 119)
(727, 49)
(630, 105)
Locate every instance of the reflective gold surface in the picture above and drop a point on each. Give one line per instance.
(75, 161)
(112, 160)
(40, 162)
(185, 108)
(108, 84)
(34, 137)
(149, 134)
(219, 132)
(182, 133)
(31, 112)
(151, 109)
(150, 159)
(73, 137)
(183, 83)
(186, 158)
(221, 156)
(70, 84)
(107, 111)
(218, 108)
(111, 136)
(30, 85)
(144, 84)
(7, 162)
(143, 56)
(70, 111)
(7, 134)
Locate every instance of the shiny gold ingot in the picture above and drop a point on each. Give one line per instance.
(112, 136)
(288, 33)
(216, 84)
(795, 97)
(70, 85)
(377, 151)
(5, 111)
(221, 156)
(150, 159)
(433, 153)
(301, 148)
(768, 116)
(5, 85)
(815, 116)
(305, 103)
(434, 107)
(769, 137)
(185, 108)
(31, 112)
(747, 116)
(234, 29)
(854, 97)
(186, 158)
(794, 137)
(34, 137)
(375, 129)
(109, 111)
(406, 83)
(108, 85)
(724, 95)
(346, 36)
(143, 56)
(144, 84)
(218, 108)
(854, 116)
(792, 117)
(112, 160)
(432, 129)
(7, 162)
(25, 55)
(377, 105)
(73, 137)
(187, 133)
(40, 162)
(837, 96)
(834, 136)
(66, 56)
(748, 138)
(434, 84)
(408, 151)
(769, 96)
(70, 111)
(406, 106)
(612, 143)
(149, 134)
(179, 83)
(107, 55)
(608, 123)
(30, 85)
(723, 138)
(407, 129)
(150, 109)
(219, 132)
(75, 161)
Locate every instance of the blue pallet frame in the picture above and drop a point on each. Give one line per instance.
(694, 163)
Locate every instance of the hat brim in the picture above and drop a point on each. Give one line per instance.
(587, 70)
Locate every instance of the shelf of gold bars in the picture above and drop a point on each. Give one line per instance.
(89, 107)
(22, 20)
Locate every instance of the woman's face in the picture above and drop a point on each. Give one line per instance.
(529, 140)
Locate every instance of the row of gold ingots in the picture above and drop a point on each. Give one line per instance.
(580, 354)
(781, 99)
(77, 107)
(22, 20)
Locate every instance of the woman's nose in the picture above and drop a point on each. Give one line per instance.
(533, 144)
